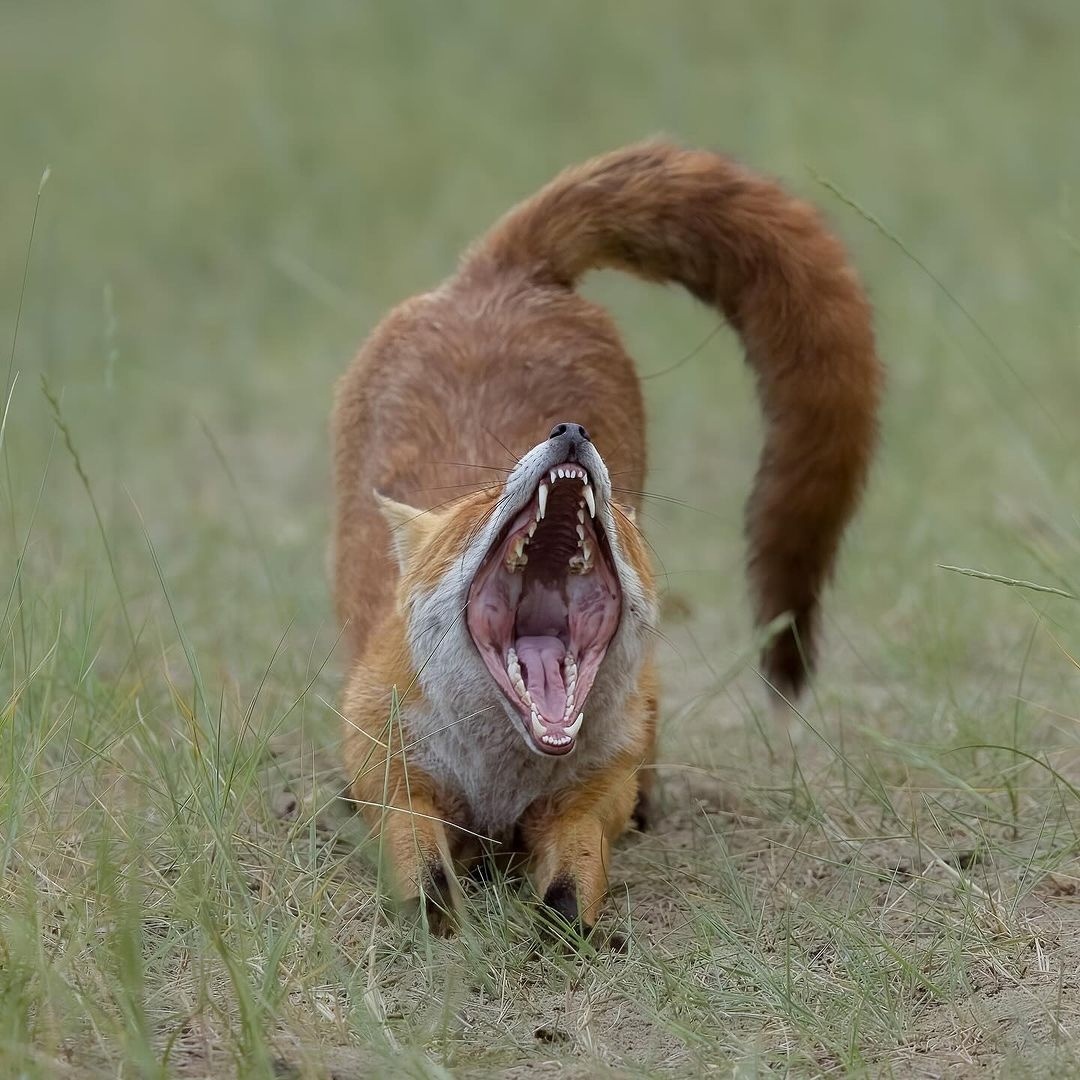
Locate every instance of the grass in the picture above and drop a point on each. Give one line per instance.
(885, 883)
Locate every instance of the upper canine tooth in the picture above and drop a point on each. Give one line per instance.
(541, 498)
(590, 499)
(575, 727)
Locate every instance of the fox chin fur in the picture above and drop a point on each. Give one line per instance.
(440, 456)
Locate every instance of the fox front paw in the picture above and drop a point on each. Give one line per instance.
(433, 904)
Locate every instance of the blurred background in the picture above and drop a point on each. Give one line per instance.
(239, 190)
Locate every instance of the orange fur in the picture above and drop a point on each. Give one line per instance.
(454, 386)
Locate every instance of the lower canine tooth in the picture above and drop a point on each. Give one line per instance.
(538, 729)
(516, 557)
(575, 727)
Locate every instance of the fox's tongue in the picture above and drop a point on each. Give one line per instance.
(541, 665)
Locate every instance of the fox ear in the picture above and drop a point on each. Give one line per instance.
(409, 527)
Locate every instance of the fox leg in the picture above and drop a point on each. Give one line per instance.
(569, 837)
(408, 823)
(646, 778)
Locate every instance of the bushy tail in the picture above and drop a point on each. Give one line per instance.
(739, 242)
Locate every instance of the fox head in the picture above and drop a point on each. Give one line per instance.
(536, 597)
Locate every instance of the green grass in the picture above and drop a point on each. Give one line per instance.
(884, 884)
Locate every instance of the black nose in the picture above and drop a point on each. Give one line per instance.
(575, 431)
(570, 438)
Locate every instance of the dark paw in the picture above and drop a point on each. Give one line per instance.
(561, 922)
(643, 812)
(561, 919)
(435, 905)
(561, 902)
(440, 922)
(613, 940)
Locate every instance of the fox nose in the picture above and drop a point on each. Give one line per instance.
(575, 432)
(571, 438)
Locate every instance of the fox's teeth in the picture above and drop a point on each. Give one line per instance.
(581, 561)
(581, 513)
(516, 557)
(590, 498)
(580, 531)
(575, 727)
(532, 529)
(541, 500)
(552, 475)
(538, 729)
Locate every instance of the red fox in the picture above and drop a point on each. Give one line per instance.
(500, 617)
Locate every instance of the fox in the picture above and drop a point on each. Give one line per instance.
(497, 595)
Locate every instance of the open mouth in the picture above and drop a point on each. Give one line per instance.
(544, 606)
